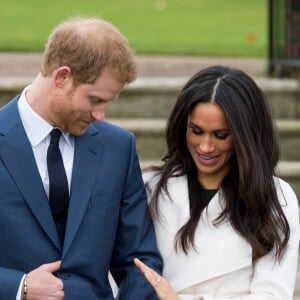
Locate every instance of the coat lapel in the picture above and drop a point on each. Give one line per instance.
(88, 150)
(17, 156)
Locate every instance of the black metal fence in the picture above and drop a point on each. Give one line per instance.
(284, 38)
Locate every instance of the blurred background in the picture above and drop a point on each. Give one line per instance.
(189, 27)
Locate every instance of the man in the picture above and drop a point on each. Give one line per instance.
(64, 249)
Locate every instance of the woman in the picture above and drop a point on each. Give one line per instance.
(226, 226)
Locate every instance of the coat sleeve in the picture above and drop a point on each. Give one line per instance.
(10, 281)
(135, 237)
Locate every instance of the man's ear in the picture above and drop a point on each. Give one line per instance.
(61, 76)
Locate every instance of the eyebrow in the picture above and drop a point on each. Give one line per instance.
(194, 126)
(98, 99)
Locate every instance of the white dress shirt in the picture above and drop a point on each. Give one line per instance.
(38, 132)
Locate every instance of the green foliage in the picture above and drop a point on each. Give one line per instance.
(189, 27)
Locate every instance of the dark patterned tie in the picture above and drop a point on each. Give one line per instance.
(58, 184)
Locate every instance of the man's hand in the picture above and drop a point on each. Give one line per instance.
(43, 285)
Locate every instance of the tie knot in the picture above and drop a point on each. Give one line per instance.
(55, 135)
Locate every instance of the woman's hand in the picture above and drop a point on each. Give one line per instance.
(161, 286)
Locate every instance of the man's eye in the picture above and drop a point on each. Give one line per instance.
(92, 100)
(96, 100)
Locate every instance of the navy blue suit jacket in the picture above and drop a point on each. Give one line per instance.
(107, 226)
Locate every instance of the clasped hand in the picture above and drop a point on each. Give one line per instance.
(43, 285)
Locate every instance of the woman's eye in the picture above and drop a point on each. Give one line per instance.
(221, 136)
(197, 131)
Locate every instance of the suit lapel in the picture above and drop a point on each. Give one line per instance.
(17, 156)
(87, 154)
(20, 163)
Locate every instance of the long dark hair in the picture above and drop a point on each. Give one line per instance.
(251, 201)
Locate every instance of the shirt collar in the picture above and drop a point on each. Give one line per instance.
(36, 128)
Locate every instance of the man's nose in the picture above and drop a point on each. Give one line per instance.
(99, 113)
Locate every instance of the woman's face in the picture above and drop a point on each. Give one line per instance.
(210, 143)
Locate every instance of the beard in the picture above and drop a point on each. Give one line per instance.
(67, 118)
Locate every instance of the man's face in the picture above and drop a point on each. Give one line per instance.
(77, 107)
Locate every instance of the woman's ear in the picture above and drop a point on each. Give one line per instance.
(61, 76)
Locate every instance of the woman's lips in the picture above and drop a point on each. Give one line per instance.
(208, 159)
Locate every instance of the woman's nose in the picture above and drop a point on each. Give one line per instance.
(206, 144)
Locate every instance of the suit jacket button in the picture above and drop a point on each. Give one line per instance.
(64, 276)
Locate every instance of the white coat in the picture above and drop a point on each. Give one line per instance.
(221, 266)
